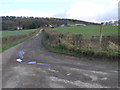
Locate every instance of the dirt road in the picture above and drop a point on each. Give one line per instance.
(30, 65)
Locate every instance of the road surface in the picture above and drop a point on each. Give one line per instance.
(30, 65)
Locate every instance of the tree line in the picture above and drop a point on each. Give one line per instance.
(12, 22)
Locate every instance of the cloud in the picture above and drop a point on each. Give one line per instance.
(88, 10)
(61, 14)
(92, 10)
(110, 15)
(26, 12)
(6, 6)
(35, 0)
(84, 10)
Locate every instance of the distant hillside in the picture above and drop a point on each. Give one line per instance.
(12, 22)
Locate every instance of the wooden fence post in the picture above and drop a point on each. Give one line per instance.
(100, 41)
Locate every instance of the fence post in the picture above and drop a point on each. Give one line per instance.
(100, 41)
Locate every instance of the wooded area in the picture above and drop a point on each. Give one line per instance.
(12, 22)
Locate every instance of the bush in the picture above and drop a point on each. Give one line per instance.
(62, 46)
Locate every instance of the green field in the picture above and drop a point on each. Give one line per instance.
(88, 30)
(6, 33)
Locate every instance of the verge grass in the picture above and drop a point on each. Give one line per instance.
(77, 51)
(7, 46)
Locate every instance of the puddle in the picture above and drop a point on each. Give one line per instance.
(19, 60)
(21, 54)
(43, 64)
(32, 62)
(69, 74)
(112, 71)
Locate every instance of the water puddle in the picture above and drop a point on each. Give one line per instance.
(32, 62)
(44, 64)
(114, 71)
(21, 54)
(19, 60)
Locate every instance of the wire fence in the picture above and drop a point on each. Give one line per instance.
(109, 42)
(10, 39)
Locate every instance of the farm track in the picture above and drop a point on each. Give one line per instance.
(52, 70)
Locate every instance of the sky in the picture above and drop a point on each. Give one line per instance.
(87, 10)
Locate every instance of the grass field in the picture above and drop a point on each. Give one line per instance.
(88, 30)
(26, 34)
(5, 47)
(14, 32)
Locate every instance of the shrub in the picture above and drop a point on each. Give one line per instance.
(62, 46)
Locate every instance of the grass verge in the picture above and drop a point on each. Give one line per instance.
(75, 51)
(7, 46)
(57, 49)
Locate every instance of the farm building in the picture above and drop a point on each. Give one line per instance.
(71, 25)
(80, 24)
(19, 28)
(76, 25)
(62, 25)
(52, 26)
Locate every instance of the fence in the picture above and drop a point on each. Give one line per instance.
(9, 39)
(108, 42)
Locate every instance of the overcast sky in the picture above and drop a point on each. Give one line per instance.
(88, 10)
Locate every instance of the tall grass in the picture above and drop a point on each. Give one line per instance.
(14, 40)
(57, 42)
(7, 46)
